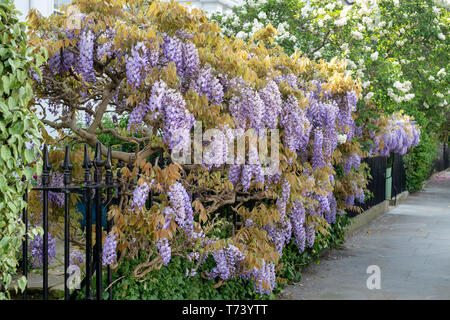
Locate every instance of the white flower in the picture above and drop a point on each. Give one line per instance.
(366, 84)
(341, 22)
(409, 97)
(262, 15)
(439, 95)
(367, 20)
(321, 11)
(236, 22)
(403, 87)
(396, 3)
(241, 35)
(368, 96)
(305, 11)
(431, 78)
(374, 56)
(436, 10)
(351, 64)
(400, 42)
(441, 72)
(421, 58)
(361, 27)
(357, 35)
(426, 105)
(330, 6)
(441, 36)
(342, 138)
(251, 3)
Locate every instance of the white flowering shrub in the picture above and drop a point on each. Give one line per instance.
(399, 49)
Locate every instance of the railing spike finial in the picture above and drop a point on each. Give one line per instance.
(109, 159)
(46, 167)
(86, 162)
(108, 166)
(98, 161)
(67, 166)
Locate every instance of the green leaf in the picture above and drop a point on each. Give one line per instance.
(5, 153)
(22, 282)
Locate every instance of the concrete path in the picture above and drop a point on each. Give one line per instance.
(410, 244)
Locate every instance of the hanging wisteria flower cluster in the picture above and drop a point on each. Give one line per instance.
(397, 133)
(36, 247)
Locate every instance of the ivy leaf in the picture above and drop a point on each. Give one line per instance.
(22, 282)
(5, 153)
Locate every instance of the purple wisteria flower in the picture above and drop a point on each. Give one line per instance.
(56, 181)
(310, 235)
(76, 257)
(228, 262)
(182, 207)
(85, 64)
(36, 247)
(164, 250)
(271, 97)
(317, 156)
(140, 195)
(209, 85)
(109, 249)
(264, 274)
(247, 108)
(296, 125)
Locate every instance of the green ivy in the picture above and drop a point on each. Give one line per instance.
(19, 138)
(418, 162)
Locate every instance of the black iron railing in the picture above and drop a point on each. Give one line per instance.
(442, 160)
(377, 184)
(99, 187)
(398, 175)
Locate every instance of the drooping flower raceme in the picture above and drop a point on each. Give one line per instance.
(140, 195)
(397, 134)
(109, 249)
(228, 262)
(37, 248)
(164, 250)
(76, 257)
(181, 206)
(85, 64)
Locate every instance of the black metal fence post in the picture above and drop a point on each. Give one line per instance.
(67, 167)
(98, 164)
(87, 164)
(109, 183)
(25, 242)
(45, 183)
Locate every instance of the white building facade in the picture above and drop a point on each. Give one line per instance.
(47, 7)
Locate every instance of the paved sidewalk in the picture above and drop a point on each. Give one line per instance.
(410, 244)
